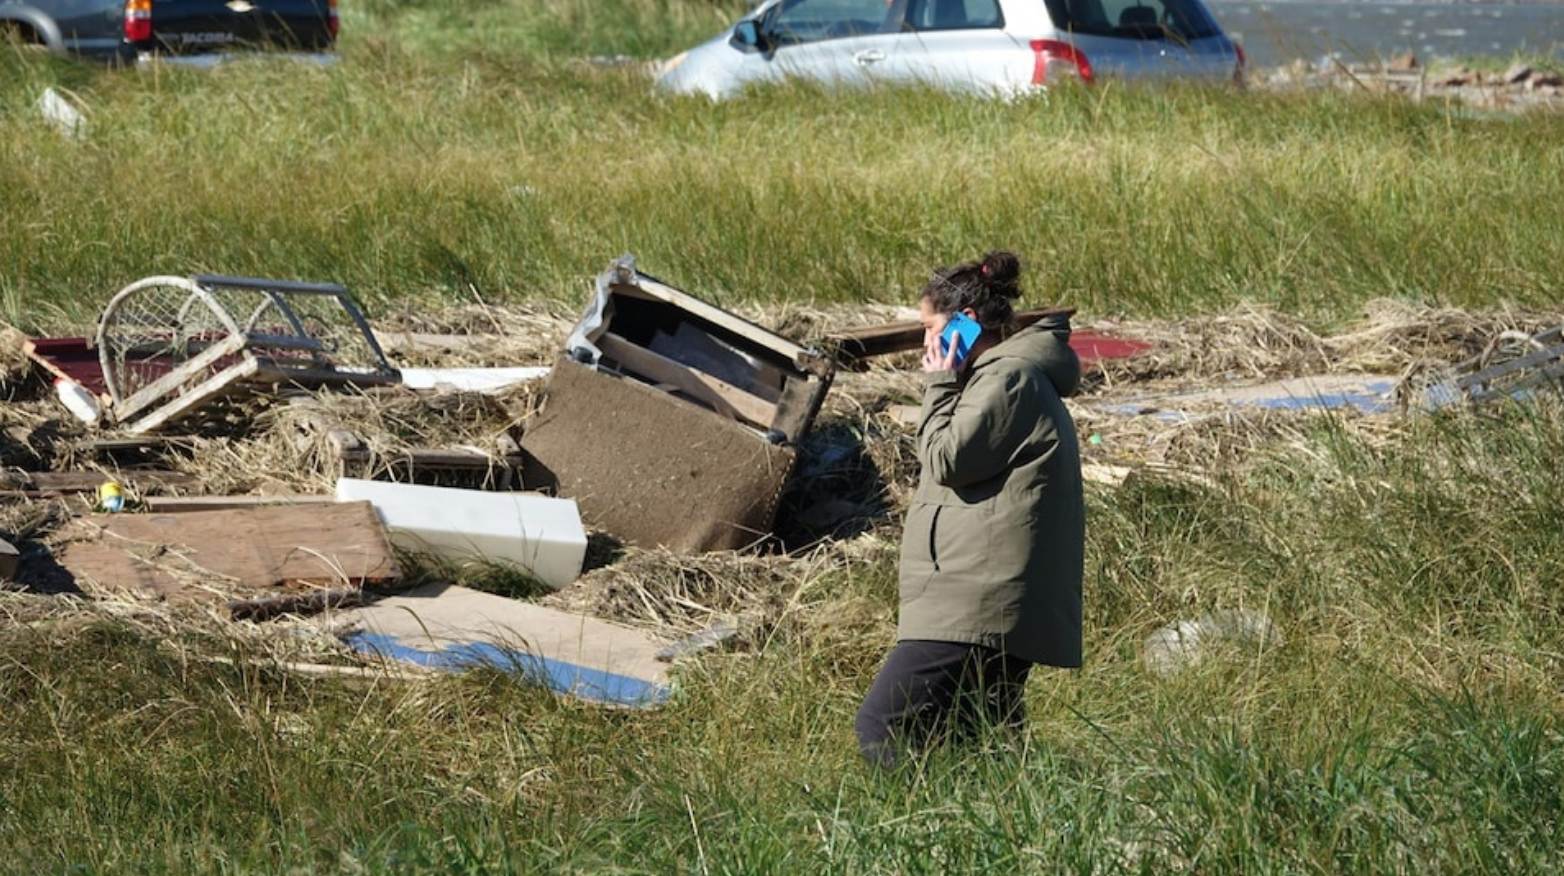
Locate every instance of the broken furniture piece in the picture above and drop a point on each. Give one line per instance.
(444, 626)
(169, 345)
(1512, 364)
(540, 534)
(671, 421)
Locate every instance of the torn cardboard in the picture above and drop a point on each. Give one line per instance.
(449, 627)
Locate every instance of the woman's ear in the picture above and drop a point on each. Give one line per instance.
(971, 314)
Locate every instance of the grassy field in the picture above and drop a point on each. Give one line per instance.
(1409, 721)
(441, 162)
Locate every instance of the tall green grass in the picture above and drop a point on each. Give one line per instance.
(460, 154)
(1407, 722)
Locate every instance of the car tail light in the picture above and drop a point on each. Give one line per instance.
(1055, 58)
(1243, 63)
(333, 23)
(138, 21)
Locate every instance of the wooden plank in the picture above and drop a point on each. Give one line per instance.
(89, 481)
(854, 344)
(183, 554)
(725, 398)
(186, 504)
(177, 377)
(449, 627)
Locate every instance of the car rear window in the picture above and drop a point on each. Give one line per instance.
(953, 15)
(1134, 19)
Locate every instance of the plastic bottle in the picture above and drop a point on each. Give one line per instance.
(77, 399)
(110, 497)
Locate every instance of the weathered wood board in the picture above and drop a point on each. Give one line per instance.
(852, 346)
(449, 627)
(206, 551)
(190, 504)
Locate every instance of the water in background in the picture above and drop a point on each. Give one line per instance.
(1277, 32)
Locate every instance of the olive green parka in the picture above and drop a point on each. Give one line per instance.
(994, 545)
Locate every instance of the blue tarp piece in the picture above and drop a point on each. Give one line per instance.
(593, 685)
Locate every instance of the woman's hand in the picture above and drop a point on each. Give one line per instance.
(933, 359)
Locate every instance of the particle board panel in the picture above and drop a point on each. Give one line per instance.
(652, 469)
(186, 553)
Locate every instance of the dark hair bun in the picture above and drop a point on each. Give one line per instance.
(1001, 269)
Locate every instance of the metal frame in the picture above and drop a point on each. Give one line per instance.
(158, 367)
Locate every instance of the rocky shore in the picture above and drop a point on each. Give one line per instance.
(1520, 87)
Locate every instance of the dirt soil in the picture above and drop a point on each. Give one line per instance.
(1177, 408)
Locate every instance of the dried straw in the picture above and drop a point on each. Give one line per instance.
(856, 469)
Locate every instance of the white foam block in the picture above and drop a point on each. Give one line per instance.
(485, 380)
(538, 533)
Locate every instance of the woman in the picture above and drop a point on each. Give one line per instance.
(993, 550)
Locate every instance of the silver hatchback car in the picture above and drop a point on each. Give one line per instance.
(1000, 47)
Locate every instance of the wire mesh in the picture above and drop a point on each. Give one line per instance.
(201, 326)
(153, 327)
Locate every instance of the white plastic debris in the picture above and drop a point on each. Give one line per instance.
(77, 399)
(538, 533)
(485, 380)
(1184, 643)
(63, 114)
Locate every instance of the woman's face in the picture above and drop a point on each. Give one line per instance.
(933, 322)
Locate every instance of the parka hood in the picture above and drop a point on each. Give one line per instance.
(1045, 343)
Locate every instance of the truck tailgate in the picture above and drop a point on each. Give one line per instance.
(188, 26)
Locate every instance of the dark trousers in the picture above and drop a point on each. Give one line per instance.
(931, 691)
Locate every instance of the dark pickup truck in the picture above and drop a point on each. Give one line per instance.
(125, 30)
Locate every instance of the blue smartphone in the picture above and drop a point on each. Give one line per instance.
(961, 331)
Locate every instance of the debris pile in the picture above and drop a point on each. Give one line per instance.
(631, 487)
